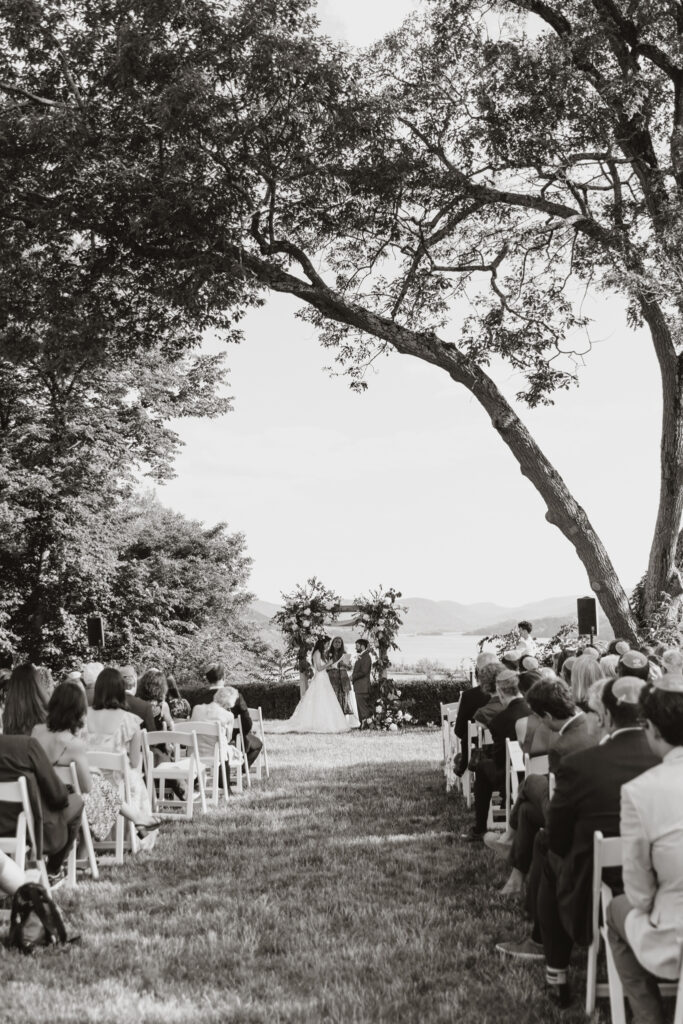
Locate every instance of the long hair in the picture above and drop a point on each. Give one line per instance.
(152, 685)
(320, 646)
(334, 653)
(67, 708)
(110, 690)
(25, 705)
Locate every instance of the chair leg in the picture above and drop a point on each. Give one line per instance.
(616, 991)
(71, 880)
(224, 777)
(89, 848)
(592, 975)
(202, 789)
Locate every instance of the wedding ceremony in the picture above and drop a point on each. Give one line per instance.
(341, 486)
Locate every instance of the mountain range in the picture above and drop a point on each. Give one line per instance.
(425, 616)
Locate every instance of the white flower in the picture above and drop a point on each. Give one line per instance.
(407, 716)
(306, 622)
(387, 600)
(307, 611)
(393, 727)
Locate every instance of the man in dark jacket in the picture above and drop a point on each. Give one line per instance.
(56, 812)
(490, 773)
(487, 669)
(586, 799)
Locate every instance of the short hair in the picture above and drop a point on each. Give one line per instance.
(585, 671)
(618, 646)
(224, 697)
(525, 624)
(566, 668)
(91, 671)
(67, 708)
(215, 673)
(551, 697)
(110, 690)
(485, 658)
(25, 703)
(546, 672)
(152, 685)
(672, 661)
(623, 714)
(528, 679)
(488, 675)
(507, 683)
(664, 709)
(130, 675)
(609, 664)
(363, 642)
(510, 660)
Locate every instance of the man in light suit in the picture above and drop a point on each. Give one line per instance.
(361, 678)
(644, 923)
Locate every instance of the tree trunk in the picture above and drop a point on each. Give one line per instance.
(563, 510)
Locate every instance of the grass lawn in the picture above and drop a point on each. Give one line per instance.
(333, 892)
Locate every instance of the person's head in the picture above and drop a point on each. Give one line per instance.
(609, 663)
(594, 700)
(548, 673)
(551, 701)
(524, 628)
(321, 645)
(361, 645)
(25, 703)
(488, 675)
(485, 658)
(585, 671)
(215, 674)
(566, 669)
(45, 681)
(510, 660)
(672, 661)
(90, 672)
(620, 699)
(5, 676)
(173, 690)
(507, 686)
(634, 663)
(527, 663)
(527, 680)
(337, 647)
(227, 697)
(661, 706)
(67, 708)
(152, 685)
(130, 677)
(110, 690)
(590, 652)
(618, 646)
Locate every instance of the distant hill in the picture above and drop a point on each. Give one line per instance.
(543, 626)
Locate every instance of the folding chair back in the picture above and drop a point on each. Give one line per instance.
(538, 765)
(468, 777)
(69, 777)
(514, 766)
(110, 763)
(261, 763)
(24, 839)
(214, 762)
(184, 770)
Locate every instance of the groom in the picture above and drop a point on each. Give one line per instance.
(360, 677)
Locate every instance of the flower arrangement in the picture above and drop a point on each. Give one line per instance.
(303, 616)
(381, 618)
(390, 714)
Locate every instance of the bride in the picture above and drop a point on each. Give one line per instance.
(318, 710)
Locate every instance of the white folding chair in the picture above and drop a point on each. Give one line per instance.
(23, 842)
(514, 766)
(450, 742)
(186, 770)
(241, 746)
(109, 763)
(69, 777)
(538, 765)
(607, 853)
(261, 762)
(468, 776)
(214, 763)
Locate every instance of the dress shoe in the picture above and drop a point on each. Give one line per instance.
(560, 995)
(472, 837)
(525, 950)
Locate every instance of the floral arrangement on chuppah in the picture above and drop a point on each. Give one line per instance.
(303, 616)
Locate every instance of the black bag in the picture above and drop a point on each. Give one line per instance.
(35, 920)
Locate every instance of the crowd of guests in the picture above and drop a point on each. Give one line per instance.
(610, 724)
(46, 724)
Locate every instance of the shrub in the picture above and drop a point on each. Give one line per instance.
(422, 697)
(277, 700)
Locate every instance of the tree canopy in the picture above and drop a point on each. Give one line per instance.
(191, 155)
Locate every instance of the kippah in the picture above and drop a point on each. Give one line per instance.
(627, 689)
(669, 683)
(622, 646)
(634, 659)
(529, 663)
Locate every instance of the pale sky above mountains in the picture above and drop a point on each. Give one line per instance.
(409, 485)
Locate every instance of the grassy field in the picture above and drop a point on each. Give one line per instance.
(334, 892)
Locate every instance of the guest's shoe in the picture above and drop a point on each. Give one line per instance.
(472, 836)
(525, 950)
(500, 844)
(514, 885)
(560, 995)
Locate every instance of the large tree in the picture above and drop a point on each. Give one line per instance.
(207, 152)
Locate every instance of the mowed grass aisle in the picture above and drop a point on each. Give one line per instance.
(334, 892)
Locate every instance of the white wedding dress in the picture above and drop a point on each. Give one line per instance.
(318, 710)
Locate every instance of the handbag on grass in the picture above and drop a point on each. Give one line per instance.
(35, 921)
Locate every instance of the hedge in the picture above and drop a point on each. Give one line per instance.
(421, 697)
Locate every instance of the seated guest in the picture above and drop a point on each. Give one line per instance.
(618, 646)
(218, 710)
(645, 922)
(490, 772)
(25, 704)
(566, 669)
(252, 744)
(586, 798)
(585, 671)
(672, 661)
(152, 689)
(134, 702)
(89, 674)
(634, 664)
(473, 699)
(487, 681)
(608, 663)
(56, 812)
(510, 660)
(113, 729)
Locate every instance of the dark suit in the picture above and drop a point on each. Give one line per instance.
(252, 744)
(586, 799)
(143, 709)
(56, 813)
(490, 773)
(361, 678)
(470, 702)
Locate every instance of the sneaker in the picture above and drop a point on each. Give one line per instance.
(500, 845)
(525, 950)
(57, 878)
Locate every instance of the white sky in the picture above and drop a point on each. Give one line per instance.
(409, 485)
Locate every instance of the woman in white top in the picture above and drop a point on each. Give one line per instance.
(318, 710)
(646, 923)
(217, 711)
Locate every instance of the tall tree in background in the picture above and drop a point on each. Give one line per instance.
(206, 153)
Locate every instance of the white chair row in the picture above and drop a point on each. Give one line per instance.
(450, 743)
